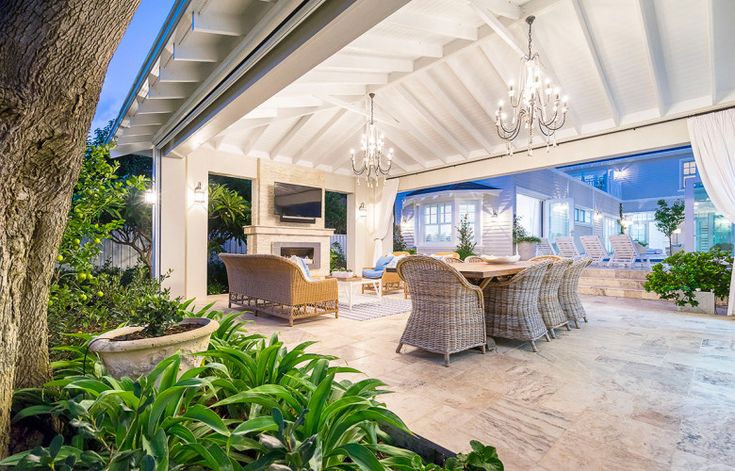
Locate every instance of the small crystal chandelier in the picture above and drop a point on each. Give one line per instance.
(537, 104)
(374, 164)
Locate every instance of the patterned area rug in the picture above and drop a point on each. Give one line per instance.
(372, 309)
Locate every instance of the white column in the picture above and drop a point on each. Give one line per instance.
(172, 230)
(197, 172)
(156, 215)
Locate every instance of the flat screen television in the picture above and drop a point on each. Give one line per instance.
(297, 202)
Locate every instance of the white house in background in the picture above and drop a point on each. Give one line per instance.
(276, 91)
(548, 203)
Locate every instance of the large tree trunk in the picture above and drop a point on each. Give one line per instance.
(53, 58)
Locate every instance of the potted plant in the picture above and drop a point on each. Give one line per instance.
(525, 244)
(466, 245)
(159, 328)
(692, 279)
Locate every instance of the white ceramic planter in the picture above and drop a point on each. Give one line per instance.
(134, 358)
(527, 250)
(706, 300)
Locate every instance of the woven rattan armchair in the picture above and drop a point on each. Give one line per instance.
(548, 301)
(276, 286)
(474, 259)
(544, 258)
(448, 312)
(568, 296)
(512, 306)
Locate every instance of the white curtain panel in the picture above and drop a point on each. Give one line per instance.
(383, 215)
(713, 143)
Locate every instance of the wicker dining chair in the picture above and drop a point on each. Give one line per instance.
(568, 297)
(474, 259)
(544, 258)
(548, 302)
(452, 259)
(447, 314)
(512, 306)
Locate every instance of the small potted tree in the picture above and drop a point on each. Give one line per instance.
(668, 219)
(525, 244)
(692, 279)
(159, 328)
(466, 244)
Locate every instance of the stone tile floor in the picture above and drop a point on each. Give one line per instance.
(641, 386)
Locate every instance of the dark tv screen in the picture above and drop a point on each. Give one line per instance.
(298, 201)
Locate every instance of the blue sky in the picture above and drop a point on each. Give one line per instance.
(128, 58)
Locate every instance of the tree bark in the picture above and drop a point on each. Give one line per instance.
(53, 58)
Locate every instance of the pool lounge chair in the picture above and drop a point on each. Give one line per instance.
(594, 249)
(567, 247)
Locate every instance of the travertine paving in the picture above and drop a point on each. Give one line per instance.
(641, 386)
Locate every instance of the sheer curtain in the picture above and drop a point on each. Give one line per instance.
(383, 216)
(713, 143)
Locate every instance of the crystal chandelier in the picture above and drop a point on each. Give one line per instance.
(535, 103)
(374, 165)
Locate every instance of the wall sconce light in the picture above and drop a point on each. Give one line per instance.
(362, 210)
(598, 215)
(494, 213)
(149, 196)
(199, 196)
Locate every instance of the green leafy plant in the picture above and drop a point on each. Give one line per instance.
(337, 259)
(252, 405)
(466, 243)
(682, 274)
(519, 233)
(669, 218)
(228, 213)
(335, 211)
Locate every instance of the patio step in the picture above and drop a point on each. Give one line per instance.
(615, 282)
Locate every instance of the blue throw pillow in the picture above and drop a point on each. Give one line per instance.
(383, 262)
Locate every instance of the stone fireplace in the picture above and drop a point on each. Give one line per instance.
(305, 242)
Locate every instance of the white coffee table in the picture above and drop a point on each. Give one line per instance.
(350, 283)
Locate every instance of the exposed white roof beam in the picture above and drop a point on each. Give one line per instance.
(657, 69)
(433, 24)
(158, 106)
(339, 77)
(477, 90)
(125, 139)
(182, 72)
(384, 119)
(194, 53)
(319, 136)
(218, 24)
(408, 149)
(438, 126)
(294, 101)
(335, 145)
(504, 8)
(375, 42)
(141, 131)
(290, 113)
(170, 90)
(720, 17)
(311, 89)
(300, 122)
(365, 62)
(449, 105)
(500, 29)
(252, 139)
(147, 119)
(595, 53)
(127, 149)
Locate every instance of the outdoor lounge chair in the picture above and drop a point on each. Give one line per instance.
(447, 314)
(626, 252)
(277, 286)
(567, 247)
(512, 306)
(551, 311)
(544, 247)
(568, 296)
(390, 281)
(594, 249)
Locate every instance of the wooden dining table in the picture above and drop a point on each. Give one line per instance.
(483, 273)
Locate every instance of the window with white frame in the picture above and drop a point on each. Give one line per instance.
(469, 209)
(437, 223)
(688, 170)
(582, 216)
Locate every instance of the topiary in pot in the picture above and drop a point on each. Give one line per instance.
(682, 275)
(525, 244)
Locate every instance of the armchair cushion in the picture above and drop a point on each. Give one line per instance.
(372, 274)
(383, 262)
(303, 266)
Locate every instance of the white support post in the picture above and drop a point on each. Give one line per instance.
(156, 216)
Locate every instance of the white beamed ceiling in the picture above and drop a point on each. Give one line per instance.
(438, 68)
